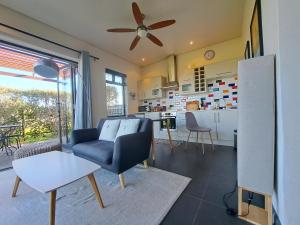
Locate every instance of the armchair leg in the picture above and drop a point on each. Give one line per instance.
(145, 164)
(122, 181)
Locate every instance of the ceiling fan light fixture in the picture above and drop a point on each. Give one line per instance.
(142, 32)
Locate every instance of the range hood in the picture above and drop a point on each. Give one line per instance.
(172, 76)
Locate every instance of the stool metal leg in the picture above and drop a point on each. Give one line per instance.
(212, 143)
(187, 140)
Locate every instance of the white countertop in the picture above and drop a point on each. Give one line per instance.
(212, 110)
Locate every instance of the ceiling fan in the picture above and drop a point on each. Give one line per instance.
(142, 30)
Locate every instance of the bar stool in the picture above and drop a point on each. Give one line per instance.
(192, 126)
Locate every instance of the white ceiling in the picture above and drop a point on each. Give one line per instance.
(205, 22)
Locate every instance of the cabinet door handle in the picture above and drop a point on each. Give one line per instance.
(215, 117)
(219, 117)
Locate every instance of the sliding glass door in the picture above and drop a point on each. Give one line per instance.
(33, 107)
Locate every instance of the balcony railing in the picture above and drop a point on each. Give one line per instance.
(115, 110)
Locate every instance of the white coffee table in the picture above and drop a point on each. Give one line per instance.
(49, 171)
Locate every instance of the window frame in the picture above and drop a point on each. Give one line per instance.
(11, 46)
(123, 84)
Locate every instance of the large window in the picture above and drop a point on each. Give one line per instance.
(41, 106)
(115, 93)
(33, 108)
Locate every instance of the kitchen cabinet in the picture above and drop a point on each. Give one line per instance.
(207, 119)
(221, 122)
(221, 69)
(200, 79)
(182, 132)
(151, 88)
(226, 124)
(156, 125)
(193, 82)
(187, 83)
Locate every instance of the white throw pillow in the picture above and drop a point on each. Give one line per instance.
(128, 126)
(109, 130)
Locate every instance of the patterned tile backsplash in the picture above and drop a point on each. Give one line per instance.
(222, 92)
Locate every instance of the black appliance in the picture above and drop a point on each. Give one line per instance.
(144, 108)
(171, 116)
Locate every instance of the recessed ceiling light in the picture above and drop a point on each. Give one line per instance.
(143, 59)
(191, 42)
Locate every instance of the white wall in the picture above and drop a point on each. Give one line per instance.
(107, 60)
(288, 165)
(281, 36)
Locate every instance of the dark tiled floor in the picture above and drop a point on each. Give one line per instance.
(212, 175)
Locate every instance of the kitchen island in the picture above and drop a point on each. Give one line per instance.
(222, 122)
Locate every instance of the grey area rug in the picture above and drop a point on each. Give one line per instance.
(147, 198)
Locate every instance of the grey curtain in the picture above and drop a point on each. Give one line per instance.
(83, 105)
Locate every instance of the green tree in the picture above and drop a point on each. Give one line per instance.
(111, 95)
(35, 110)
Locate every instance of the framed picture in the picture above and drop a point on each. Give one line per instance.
(247, 52)
(256, 34)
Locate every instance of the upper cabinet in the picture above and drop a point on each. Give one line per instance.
(200, 80)
(151, 88)
(186, 83)
(221, 69)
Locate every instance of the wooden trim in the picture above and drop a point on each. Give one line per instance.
(256, 215)
(17, 182)
(96, 190)
(52, 207)
(240, 200)
(122, 180)
(146, 164)
(269, 209)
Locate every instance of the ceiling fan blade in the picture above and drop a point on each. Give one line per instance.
(138, 16)
(154, 39)
(121, 30)
(161, 24)
(134, 42)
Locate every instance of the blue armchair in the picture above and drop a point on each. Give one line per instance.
(119, 156)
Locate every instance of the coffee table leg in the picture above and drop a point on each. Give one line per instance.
(17, 182)
(52, 207)
(95, 187)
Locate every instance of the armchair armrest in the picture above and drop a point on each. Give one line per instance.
(130, 150)
(84, 135)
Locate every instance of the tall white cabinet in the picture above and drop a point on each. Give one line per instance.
(256, 134)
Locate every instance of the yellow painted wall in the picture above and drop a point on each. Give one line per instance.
(226, 50)
(249, 6)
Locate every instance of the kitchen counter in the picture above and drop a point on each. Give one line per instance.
(189, 111)
(222, 122)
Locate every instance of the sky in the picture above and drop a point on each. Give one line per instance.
(23, 83)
